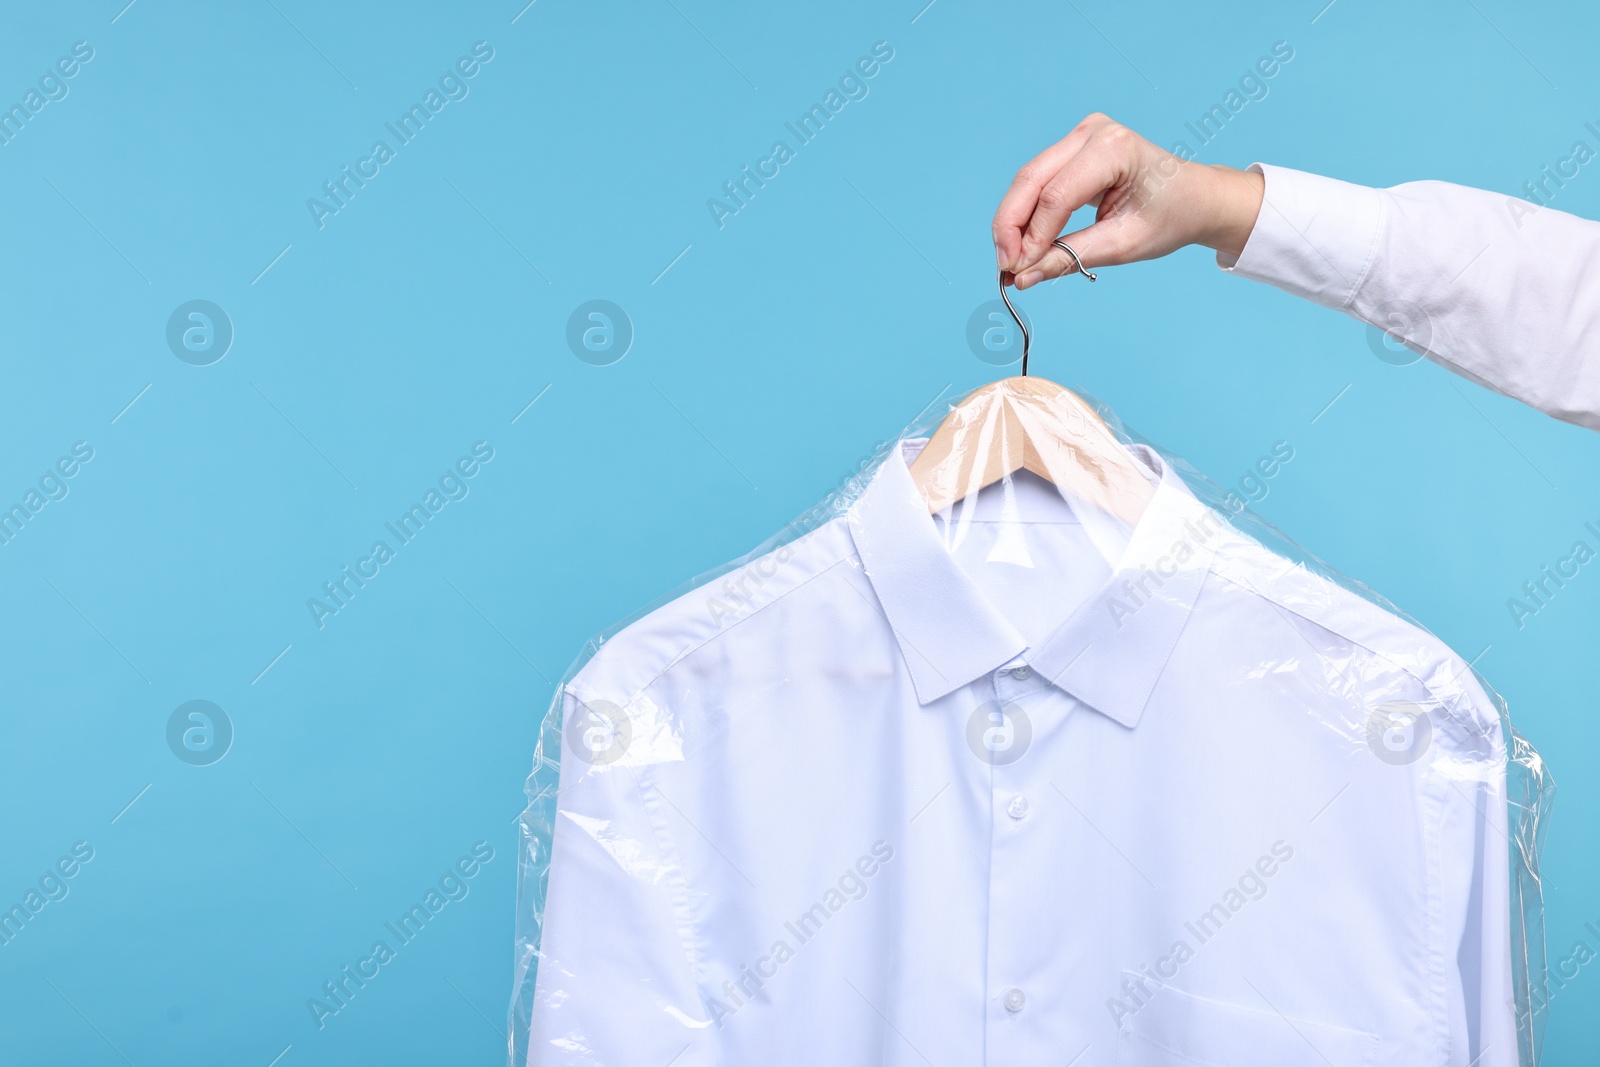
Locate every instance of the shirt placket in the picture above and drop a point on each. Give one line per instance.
(1010, 1004)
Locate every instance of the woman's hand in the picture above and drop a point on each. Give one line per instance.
(1148, 201)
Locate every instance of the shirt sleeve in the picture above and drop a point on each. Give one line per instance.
(1470, 772)
(1494, 287)
(614, 983)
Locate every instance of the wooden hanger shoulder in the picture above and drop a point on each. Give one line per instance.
(1031, 424)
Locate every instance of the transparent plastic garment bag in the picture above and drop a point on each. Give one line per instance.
(1024, 782)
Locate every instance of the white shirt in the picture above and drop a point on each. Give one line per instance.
(956, 792)
(1495, 287)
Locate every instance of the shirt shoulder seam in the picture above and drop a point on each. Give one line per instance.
(709, 638)
(633, 690)
(1459, 691)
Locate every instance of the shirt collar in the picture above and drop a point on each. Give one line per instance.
(1109, 653)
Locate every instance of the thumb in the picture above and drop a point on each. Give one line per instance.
(1096, 245)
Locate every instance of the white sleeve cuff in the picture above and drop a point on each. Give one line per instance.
(1315, 237)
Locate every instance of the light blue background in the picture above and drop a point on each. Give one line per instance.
(426, 315)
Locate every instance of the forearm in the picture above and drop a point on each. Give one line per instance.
(1494, 287)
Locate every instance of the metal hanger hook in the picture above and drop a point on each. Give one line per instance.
(1026, 340)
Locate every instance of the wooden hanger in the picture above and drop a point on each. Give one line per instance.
(1033, 424)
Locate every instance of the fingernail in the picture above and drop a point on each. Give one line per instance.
(1033, 277)
(999, 258)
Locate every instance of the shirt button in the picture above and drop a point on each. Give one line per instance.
(1018, 807)
(1020, 673)
(1014, 1000)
